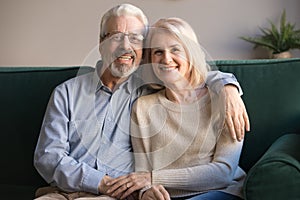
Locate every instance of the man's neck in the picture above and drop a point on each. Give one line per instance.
(109, 80)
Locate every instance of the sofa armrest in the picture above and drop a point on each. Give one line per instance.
(277, 174)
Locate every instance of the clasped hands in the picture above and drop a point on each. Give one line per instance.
(127, 186)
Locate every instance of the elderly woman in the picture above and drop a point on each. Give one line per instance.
(179, 134)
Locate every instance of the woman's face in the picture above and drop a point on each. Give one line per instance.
(169, 59)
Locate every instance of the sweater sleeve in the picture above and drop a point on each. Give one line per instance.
(142, 163)
(217, 174)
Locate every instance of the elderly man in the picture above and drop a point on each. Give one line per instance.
(84, 139)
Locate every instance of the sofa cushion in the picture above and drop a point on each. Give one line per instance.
(277, 174)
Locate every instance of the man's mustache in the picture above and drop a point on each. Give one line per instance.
(119, 53)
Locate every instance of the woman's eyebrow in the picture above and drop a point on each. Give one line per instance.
(159, 47)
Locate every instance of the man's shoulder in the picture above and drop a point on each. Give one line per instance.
(79, 80)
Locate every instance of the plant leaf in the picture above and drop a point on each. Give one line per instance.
(280, 39)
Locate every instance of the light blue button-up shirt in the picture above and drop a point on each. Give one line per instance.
(85, 133)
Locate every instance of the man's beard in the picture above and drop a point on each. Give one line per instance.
(123, 70)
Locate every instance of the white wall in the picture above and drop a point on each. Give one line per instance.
(64, 32)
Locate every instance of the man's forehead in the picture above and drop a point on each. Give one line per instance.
(125, 24)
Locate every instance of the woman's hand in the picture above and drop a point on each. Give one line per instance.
(237, 118)
(156, 192)
(124, 186)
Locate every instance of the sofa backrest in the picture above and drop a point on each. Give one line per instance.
(25, 92)
(272, 97)
(271, 93)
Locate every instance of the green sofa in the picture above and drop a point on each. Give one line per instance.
(271, 149)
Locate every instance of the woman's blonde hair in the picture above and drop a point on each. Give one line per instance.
(182, 31)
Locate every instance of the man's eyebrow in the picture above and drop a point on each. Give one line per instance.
(137, 32)
(157, 47)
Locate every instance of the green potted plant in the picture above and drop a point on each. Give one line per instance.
(278, 40)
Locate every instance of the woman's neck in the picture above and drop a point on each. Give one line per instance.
(185, 95)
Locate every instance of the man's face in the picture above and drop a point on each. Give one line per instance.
(122, 46)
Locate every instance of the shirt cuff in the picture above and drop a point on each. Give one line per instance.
(235, 83)
(92, 181)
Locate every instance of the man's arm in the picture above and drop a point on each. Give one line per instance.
(52, 157)
(237, 118)
(216, 80)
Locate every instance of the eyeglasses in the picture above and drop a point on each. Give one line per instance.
(133, 38)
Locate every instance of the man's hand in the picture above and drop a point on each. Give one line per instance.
(237, 118)
(123, 186)
(103, 187)
(156, 192)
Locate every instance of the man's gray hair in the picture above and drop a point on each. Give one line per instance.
(123, 10)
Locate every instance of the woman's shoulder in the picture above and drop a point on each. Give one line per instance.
(149, 98)
(142, 104)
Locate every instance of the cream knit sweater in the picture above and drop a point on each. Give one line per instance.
(186, 147)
